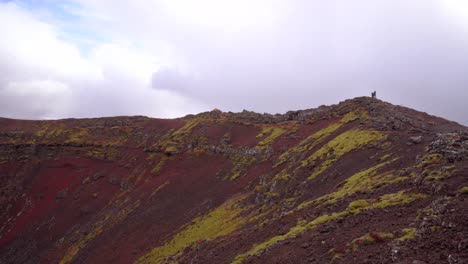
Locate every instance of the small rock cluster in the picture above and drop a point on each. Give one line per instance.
(454, 146)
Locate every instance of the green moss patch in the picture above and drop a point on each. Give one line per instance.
(313, 140)
(366, 180)
(220, 222)
(269, 135)
(408, 234)
(240, 163)
(339, 146)
(365, 240)
(171, 142)
(463, 190)
(353, 208)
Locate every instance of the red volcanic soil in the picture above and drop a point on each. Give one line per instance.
(362, 181)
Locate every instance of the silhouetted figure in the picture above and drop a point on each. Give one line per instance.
(374, 94)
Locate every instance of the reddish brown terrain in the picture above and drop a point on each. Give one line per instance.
(363, 181)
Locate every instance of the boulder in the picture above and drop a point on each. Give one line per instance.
(416, 139)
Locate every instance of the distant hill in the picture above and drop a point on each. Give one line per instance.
(362, 181)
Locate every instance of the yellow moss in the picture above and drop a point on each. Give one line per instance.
(463, 190)
(55, 133)
(77, 136)
(366, 180)
(385, 157)
(59, 133)
(369, 239)
(76, 247)
(358, 204)
(272, 134)
(294, 154)
(102, 153)
(309, 143)
(171, 150)
(220, 222)
(363, 180)
(339, 146)
(199, 151)
(153, 193)
(283, 175)
(256, 217)
(290, 200)
(108, 220)
(156, 169)
(47, 133)
(301, 227)
(188, 127)
(398, 198)
(235, 175)
(305, 204)
(239, 165)
(355, 115)
(313, 140)
(263, 132)
(172, 140)
(15, 137)
(352, 209)
(433, 173)
(429, 159)
(336, 257)
(272, 194)
(42, 130)
(431, 166)
(408, 233)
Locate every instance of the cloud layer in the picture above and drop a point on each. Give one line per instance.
(44, 76)
(168, 58)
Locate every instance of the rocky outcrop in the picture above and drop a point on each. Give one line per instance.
(454, 146)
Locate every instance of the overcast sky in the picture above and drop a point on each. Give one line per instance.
(169, 58)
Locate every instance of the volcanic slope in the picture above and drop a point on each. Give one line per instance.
(362, 181)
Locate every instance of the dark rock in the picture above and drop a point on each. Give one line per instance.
(114, 181)
(124, 185)
(84, 210)
(97, 176)
(61, 195)
(463, 245)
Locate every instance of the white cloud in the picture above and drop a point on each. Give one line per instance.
(230, 15)
(457, 10)
(280, 55)
(43, 76)
(31, 44)
(124, 60)
(44, 96)
(260, 55)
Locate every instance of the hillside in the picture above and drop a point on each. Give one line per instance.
(362, 181)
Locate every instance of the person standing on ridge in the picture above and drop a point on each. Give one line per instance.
(374, 94)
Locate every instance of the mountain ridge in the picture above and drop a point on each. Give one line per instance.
(278, 117)
(242, 187)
